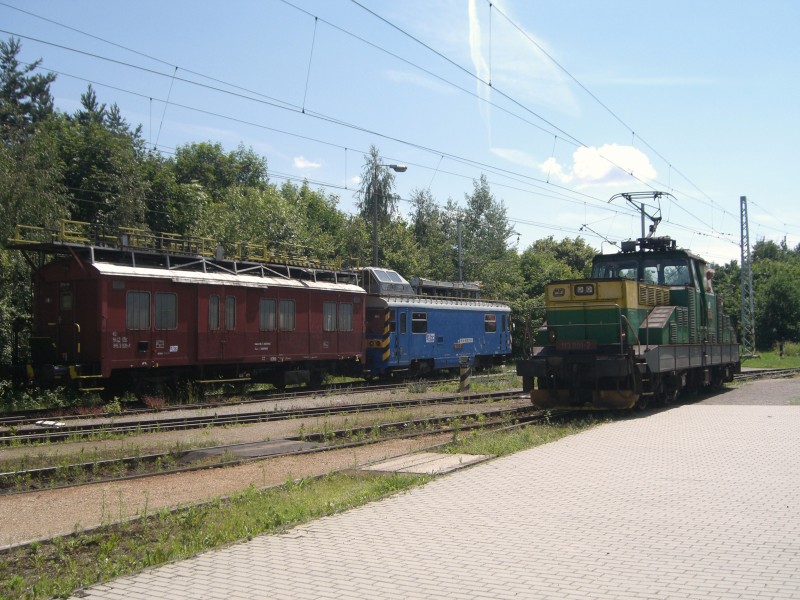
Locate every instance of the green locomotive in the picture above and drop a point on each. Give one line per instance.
(645, 326)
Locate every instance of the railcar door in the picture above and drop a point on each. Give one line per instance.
(68, 336)
(220, 323)
(324, 325)
(402, 350)
(293, 325)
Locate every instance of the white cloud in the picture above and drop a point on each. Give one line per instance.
(608, 165)
(302, 163)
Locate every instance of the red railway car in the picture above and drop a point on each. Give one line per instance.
(110, 325)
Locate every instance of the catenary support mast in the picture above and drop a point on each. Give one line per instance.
(748, 321)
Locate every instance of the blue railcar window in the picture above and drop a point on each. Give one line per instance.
(166, 310)
(490, 323)
(266, 314)
(419, 322)
(286, 316)
(230, 313)
(213, 312)
(137, 310)
(403, 324)
(345, 317)
(329, 316)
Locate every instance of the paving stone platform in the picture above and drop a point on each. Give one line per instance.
(695, 502)
(428, 463)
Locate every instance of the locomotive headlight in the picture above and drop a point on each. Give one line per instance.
(551, 335)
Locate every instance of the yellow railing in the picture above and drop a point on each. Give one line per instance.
(133, 239)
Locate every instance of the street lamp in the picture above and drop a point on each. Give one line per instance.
(397, 169)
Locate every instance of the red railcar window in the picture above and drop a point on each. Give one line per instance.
(345, 317)
(213, 312)
(286, 317)
(137, 310)
(230, 313)
(266, 314)
(329, 316)
(166, 310)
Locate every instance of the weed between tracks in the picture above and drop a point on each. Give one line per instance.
(479, 441)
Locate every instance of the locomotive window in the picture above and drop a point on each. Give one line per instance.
(213, 312)
(230, 313)
(627, 269)
(490, 323)
(329, 316)
(266, 315)
(66, 300)
(403, 324)
(673, 271)
(286, 315)
(676, 275)
(394, 277)
(419, 322)
(137, 310)
(345, 317)
(166, 310)
(375, 321)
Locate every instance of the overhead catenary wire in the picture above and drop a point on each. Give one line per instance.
(341, 122)
(490, 168)
(270, 101)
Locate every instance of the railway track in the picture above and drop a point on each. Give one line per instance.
(22, 418)
(130, 467)
(766, 374)
(53, 431)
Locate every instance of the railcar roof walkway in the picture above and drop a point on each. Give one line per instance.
(700, 501)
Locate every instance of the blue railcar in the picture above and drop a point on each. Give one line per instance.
(414, 330)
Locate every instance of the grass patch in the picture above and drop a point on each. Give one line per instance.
(57, 568)
(773, 359)
(502, 443)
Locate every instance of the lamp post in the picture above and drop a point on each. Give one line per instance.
(397, 169)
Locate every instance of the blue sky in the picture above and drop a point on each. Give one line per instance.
(699, 99)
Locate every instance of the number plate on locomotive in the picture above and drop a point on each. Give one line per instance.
(571, 345)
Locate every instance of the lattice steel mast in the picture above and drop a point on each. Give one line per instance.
(748, 321)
